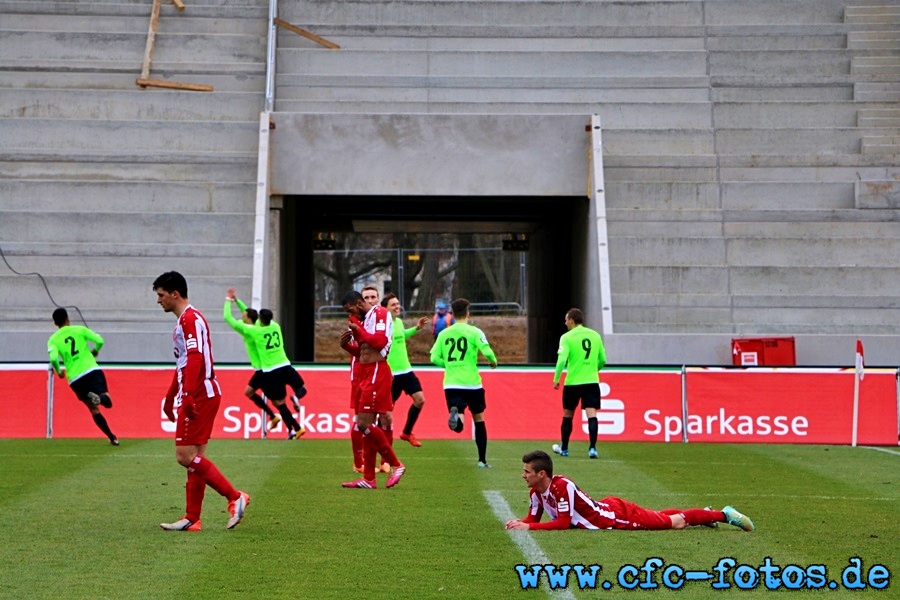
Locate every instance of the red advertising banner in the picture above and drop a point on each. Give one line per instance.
(724, 405)
(793, 406)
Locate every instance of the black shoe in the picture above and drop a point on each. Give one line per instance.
(114, 442)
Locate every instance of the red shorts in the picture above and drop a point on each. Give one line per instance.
(374, 388)
(631, 516)
(196, 432)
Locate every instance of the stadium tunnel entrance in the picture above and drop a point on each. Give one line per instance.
(555, 227)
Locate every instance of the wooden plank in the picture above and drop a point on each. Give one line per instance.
(151, 39)
(179, 5)
(174, 85)
(306, 34)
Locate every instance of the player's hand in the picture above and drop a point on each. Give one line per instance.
(62, 374)
(353, 326)
(168, 403)
(230, 294)
(188, 409)
(556, 385)
(493, 365)
(94, 352)
(516, 524)
(423, 321)
(346, 338)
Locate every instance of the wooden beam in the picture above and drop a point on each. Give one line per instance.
(151, 39)
(174, 85)
(179, 5)
(306, 34)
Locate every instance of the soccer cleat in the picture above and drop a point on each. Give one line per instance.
(94, 398)
(592, 453)
(182, 524)
(712, 525)
(394, 479)
(453, 421)
(411, 438)
(361, 483)
(296, 435)
(558, 449)
(114, 442)
(273, 422)
(484, 465)
(236, 509)
(738, 519)
(296, 402)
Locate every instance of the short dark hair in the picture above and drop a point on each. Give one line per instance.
(539, 461)
(172, 281)
(60, 316)
(351, 297)
(387, 298)
(265, 316)
(253, 314)
(460, 307)
(576, 315)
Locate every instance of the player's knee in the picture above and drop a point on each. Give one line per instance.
(678, 522)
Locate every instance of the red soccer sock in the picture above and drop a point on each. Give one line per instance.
(389, 434)
(357, 441)
(697, 516)
(209, 472)
(195, 489)
(375, 435)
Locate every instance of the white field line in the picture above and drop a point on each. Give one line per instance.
(885, 450)
(530, 550)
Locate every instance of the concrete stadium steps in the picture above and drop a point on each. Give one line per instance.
(77, 135)
(17, 47)
(133, 104)
(878, 40)
(103, 196)
(877, 92)
(868, 13)
(171, 22)
(124, 80)
(115, 167)
(242, 9)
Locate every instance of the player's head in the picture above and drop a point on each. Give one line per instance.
(441, 307)
(172, 281)
(265, 316)
(60, 317)
(392, 303)
(250, 316)
(538, 461)
(460, 308)
(576, 316)
(171, 291)
(370, 295)
(354, 305)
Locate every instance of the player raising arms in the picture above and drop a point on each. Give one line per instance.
(195, 386)
(249, 316)
(369, 340)
(404, 378)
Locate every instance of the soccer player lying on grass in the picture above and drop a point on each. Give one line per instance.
(568, 507)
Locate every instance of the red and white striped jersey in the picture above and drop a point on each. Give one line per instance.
(195, 374)
(568, 506)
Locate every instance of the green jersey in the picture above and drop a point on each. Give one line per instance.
(270, 346)
(398, 358)
(581, 354)
(456, 350)
(245, 330)
(69, 345)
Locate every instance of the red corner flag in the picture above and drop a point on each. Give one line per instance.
(860, 360)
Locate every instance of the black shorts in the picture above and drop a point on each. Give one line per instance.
(256, 382)
(473, 399)
(95, 381)
(274, 382)
(587, 393)
(405, 382)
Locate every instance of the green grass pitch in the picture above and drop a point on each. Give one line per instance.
(80, 519)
